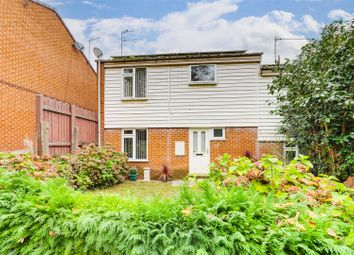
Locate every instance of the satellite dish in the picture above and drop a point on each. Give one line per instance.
(98, 53)
(79, 46)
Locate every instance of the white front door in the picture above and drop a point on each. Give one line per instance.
(199, 151)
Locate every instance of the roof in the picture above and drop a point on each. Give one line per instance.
(270, 70)
(182, 56)
(65, 26)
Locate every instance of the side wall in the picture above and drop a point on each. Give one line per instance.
(17, 119)
(37, 57)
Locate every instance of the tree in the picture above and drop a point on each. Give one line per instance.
(315, 96)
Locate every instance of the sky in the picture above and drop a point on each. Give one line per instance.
(169, 26)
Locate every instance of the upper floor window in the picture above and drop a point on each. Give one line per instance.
(203, 74)
(134, 83)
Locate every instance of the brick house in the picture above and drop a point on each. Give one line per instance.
(37, 57)
(183, 110)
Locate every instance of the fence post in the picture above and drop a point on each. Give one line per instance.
(45, 137)
(74, 130)
(39, 119)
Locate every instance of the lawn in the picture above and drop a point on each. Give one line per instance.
(141, 189)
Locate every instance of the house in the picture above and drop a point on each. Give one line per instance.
(183, 110)
(43, 76)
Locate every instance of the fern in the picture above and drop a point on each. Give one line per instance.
(39, 217)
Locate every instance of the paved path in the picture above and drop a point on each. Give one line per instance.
(181, 182)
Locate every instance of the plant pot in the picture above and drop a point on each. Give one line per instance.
(133, 177)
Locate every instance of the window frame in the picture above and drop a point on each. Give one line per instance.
(133, 135)
(123, 98)
(218, 138)
(290, 149)
(203, 82)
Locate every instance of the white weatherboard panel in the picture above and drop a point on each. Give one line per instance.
(235, 101)
(268, 123)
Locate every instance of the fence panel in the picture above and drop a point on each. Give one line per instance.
(63, 127)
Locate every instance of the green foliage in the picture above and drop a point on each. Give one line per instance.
(49, 217)
(271, 175)
(90, 167)
(133, 170)
(315, 97)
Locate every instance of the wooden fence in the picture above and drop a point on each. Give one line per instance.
(63, 127)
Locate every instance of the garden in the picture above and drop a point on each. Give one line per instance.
(82, 204)
(60, 205)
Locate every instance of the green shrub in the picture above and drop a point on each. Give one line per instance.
(271, 175)
(213, 217)
(90, 167)
(314, 95)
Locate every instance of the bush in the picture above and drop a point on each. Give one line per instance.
(212, 217)
(271, 175)
(90, 167)
(315, 98)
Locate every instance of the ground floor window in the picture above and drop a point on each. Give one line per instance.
(218, 133)
(134, 143)
(290, 152)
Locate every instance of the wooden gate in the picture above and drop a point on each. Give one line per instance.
(63, 127)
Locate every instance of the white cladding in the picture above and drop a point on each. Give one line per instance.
(268, 123)
(236, 100)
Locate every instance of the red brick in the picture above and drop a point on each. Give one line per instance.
(37, 56)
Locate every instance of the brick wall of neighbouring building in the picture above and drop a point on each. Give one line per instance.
(161, 148)
(37, 57)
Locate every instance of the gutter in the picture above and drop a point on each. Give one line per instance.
(175, 56)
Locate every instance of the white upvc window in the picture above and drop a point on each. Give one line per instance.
(218, 134)
(135, 144)
(203, 74)
(134, 83)
(290, 152)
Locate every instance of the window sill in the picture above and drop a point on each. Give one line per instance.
(138, 160)
(134, 99)
(203, 84)
(218, 139)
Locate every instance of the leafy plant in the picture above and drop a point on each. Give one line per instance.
(165, 176)
(315, 98)
(133, 170)
(90, 167)
(212, 217)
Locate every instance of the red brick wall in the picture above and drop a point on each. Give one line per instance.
(37, 56)
(113, 138)
(238, 141)
(17, 118)
(161, 148)
(272, 148)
